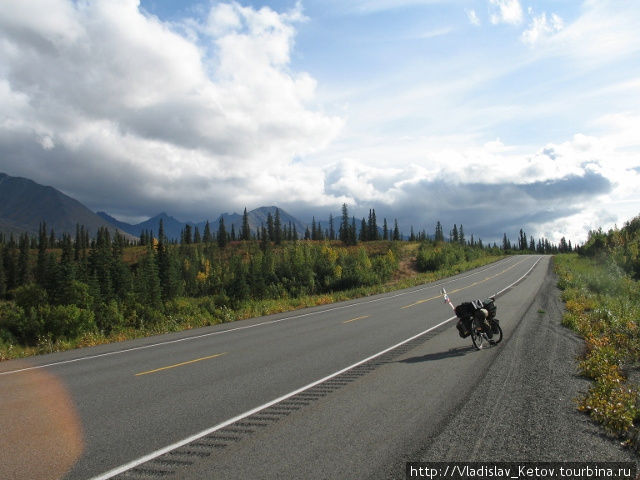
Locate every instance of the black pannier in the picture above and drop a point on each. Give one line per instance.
(465, 310)
(464, 327)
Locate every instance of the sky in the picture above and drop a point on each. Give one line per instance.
(494, 114)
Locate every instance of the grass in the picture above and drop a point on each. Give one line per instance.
(603, 306)
(188, 313)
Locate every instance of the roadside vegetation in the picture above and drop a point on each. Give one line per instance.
(58, 293)
(601, 289)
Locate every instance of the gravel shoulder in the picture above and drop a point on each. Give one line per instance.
(524, 409)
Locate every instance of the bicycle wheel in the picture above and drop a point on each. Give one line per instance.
(478, 337)
(497, 332)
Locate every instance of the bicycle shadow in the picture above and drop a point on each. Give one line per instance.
(453, 352)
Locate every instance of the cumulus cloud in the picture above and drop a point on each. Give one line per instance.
(505, 11)
(114, 96)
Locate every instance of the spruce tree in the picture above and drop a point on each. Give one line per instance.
(344, 225)
(372, 226)
(270, 228)
(206, 236)
(24, 274)
(187, 236)
(385, 230)
(353, 239)
(196, 235)
(439, 234)
(277, 228)
(222, 233)
(396, 230)
(41, 266)
(246, 231)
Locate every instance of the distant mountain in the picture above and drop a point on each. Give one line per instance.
(24, 204)
(173, 228)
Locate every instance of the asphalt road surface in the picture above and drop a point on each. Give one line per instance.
(350, 390)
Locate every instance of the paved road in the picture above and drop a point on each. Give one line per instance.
(97, 409)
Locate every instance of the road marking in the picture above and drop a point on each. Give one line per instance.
(268, 322)
(468, 286)
(180, 364)
(357, 318)
(226, 423)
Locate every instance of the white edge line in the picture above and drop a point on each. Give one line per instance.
(269, 322)
(204, 433)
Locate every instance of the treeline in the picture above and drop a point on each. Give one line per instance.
(620, 245)
(86, 286)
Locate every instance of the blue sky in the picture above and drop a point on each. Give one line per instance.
(497, 114)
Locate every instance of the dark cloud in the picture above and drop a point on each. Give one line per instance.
(485, 210)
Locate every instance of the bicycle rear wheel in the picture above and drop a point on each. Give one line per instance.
(497, 332)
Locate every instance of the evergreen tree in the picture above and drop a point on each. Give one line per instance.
(353, 239)
(412, 236)
(41, 266)
(11, 265)
(385, 230)
(264, 238)
(222, 233)
(196, 236)
(186, 235)
(332, 232)
(506, 244)
(372, 226)
(270, 228)
(207, 237)
(277, 228)
(396, 230)
(314, 230)
(461, 238)
(439, 234)
(24, 274)
(148, 283)
(454, 237)
(246, 231)
(344, 225)
(363, 231)
(233, 232)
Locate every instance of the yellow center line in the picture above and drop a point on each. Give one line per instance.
(357, 318)
(463, 288)
(180, 364)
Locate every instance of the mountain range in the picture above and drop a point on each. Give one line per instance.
(24, 204)
(173, 227)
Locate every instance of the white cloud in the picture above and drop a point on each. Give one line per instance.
(605, 31)
(127, 100)
(505, 11)
(541, 27)
(473, 17)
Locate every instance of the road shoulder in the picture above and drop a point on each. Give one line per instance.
(524, 409)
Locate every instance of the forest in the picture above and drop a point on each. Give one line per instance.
(58, 293)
